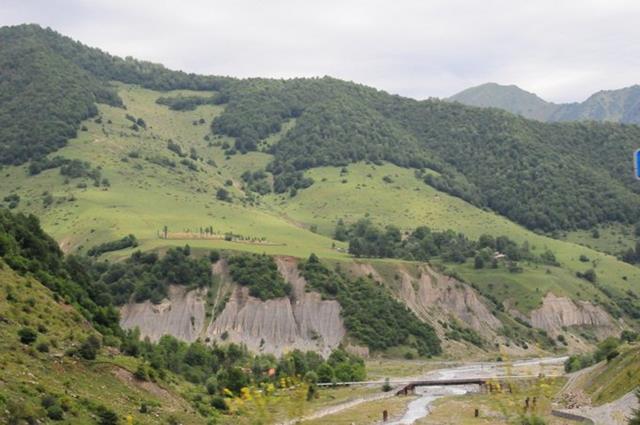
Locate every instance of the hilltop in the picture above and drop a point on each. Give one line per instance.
(510, 98)
(621, 105)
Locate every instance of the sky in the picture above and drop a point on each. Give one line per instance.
(562, 50)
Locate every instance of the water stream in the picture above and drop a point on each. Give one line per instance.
(420, 407)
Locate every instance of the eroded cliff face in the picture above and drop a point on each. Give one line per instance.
(304, 321)
(181, 315)
(433, 297)
(557, 313)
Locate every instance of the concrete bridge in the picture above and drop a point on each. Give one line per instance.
(408, 386)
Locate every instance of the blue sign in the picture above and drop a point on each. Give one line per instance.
(636, 163)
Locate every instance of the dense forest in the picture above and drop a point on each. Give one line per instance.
(370, 313)
(547, 177)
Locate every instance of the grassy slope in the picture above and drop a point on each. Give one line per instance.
(143, 201)
(144, 197)
(28, 374)
(406, 202)
(609, 381)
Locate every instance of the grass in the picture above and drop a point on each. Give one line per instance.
(495, 408)
(365, 413)
(613, 238)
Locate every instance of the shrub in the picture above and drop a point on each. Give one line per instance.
(141, 373)
(89, 348)
(218, 403)
(27, 336)
(106, 416)
(55, 412)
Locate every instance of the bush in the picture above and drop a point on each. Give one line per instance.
(55, 412)
(43, 347)
(212, 385)
(141, 373)
(107, 416)
(218, 403)
(89, 348)
(27, 336)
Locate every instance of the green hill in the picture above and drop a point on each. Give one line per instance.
(270, 166)
(538, 175)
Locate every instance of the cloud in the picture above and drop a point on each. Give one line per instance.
(563, 50)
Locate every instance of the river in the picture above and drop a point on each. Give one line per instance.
(419, 408)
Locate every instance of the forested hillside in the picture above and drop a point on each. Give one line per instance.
(545, 176)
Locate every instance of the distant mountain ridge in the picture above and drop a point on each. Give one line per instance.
(621, 105)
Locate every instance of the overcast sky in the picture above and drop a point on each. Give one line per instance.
(560, 50)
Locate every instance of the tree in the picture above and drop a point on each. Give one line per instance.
(325, 373)
(478, 262)
(223, 195)
(340, 233)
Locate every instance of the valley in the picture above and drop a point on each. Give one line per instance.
(198, 249)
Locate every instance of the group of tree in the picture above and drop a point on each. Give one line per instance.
(607, 349)
(371, 314)
(128, 241)
(260, 274)
(256, 181)
(421, 244)
(189, 103)
(147, 276)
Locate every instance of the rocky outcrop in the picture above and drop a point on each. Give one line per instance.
(304, 321)
(181, 315)
(434, 296)
(557, 313)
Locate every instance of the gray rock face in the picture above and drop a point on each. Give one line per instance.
(180, 315)
(558, 312)
(431, 295)
(275, 326)
(304, 321)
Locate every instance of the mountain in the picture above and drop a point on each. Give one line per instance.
(176, 165)
(510, 98)
(622, 105)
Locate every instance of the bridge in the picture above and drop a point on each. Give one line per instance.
(409, 386)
